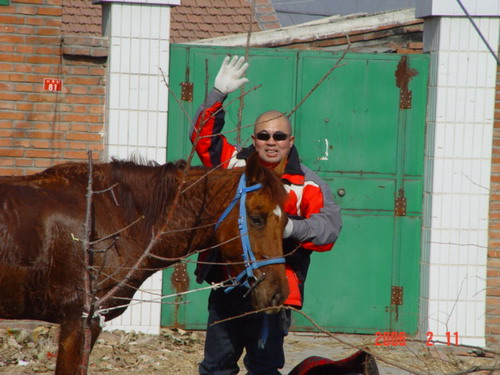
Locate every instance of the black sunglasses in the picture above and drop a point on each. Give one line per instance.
(278, 136)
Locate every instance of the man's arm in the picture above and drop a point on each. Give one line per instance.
(212, 147)
(319, 224)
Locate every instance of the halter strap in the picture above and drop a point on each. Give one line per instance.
(241, 192)
(251, 263)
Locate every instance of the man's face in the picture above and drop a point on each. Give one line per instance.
(276, 128)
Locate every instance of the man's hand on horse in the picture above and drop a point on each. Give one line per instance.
(230, 74)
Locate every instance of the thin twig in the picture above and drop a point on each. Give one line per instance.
(242, 102)
(88, 276)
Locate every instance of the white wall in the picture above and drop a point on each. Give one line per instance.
(460, 119)
(137, 105)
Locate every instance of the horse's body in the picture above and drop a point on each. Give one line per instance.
(42, 220)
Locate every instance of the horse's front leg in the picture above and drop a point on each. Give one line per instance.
(72, 346)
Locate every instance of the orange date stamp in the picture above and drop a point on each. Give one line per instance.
(399, 339)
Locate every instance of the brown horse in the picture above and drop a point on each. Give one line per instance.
(42, 220)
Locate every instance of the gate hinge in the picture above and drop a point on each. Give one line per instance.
(400, 204)
(396, 295)
(187, 91)
(404, 74)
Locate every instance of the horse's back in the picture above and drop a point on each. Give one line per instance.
(36, 223)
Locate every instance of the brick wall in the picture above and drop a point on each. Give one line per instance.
(41, 128)
(493, 267)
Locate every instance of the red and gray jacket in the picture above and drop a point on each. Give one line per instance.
(316, 218)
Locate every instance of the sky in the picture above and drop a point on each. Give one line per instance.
(292, 12)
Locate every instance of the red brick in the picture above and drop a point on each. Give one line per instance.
(41, 144)
(50, 11)
(81, 155)
(12, 19)
(83, 137)
(22, 142)
(43, 60)
(24, 162)
(50, 154)
(43, 164)
(7, 162)
(11, 153)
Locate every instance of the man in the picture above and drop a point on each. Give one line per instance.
(314, 225)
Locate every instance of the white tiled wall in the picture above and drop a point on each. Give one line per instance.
(452, 7)
(137, 113)
(137, 95)
(458, 162)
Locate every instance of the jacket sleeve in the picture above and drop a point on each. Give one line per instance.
(320, 222)
(211, 146)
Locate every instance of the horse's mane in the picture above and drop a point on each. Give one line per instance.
(274, 187)
(141, 180)
(145, 181)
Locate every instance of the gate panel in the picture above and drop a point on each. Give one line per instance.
(353, 132)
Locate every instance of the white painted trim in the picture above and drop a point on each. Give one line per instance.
(483, 8)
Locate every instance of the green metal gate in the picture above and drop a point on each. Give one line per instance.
(362, 130)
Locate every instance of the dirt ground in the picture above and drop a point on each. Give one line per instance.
(33, 351)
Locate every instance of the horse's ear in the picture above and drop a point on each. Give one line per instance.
(254, 170)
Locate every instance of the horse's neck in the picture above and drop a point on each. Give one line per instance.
(191, 218)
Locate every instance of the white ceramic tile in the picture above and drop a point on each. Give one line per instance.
(434, 276)
(127, 20)
(162, 95)
(150, 153)
(162, 130)
(133, 128)
(113, 131)
(152, 126)
(144, 56)
(124, 55)
(123, 128)
(156, 49)
(439, 253)
(142, 139)
(153, 91)
(154, 20)
(135, 21)
(113, 94)
(460, 61)
(161, 155)
(436, 141)
(114, 55)
(436, 211)
(134, 92)
(116, 20)
(135, 58)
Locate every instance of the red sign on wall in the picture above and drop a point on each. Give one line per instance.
(50, 84)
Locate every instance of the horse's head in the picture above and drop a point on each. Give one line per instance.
(265, 218)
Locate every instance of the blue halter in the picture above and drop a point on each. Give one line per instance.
(249, 260)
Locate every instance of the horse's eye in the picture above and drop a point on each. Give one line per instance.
(257, 221)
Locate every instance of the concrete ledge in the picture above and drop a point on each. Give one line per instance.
(85, 46)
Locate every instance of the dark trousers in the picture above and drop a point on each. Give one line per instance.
(225, 341)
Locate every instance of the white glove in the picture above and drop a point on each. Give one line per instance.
(229, 77)
(288, 229)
